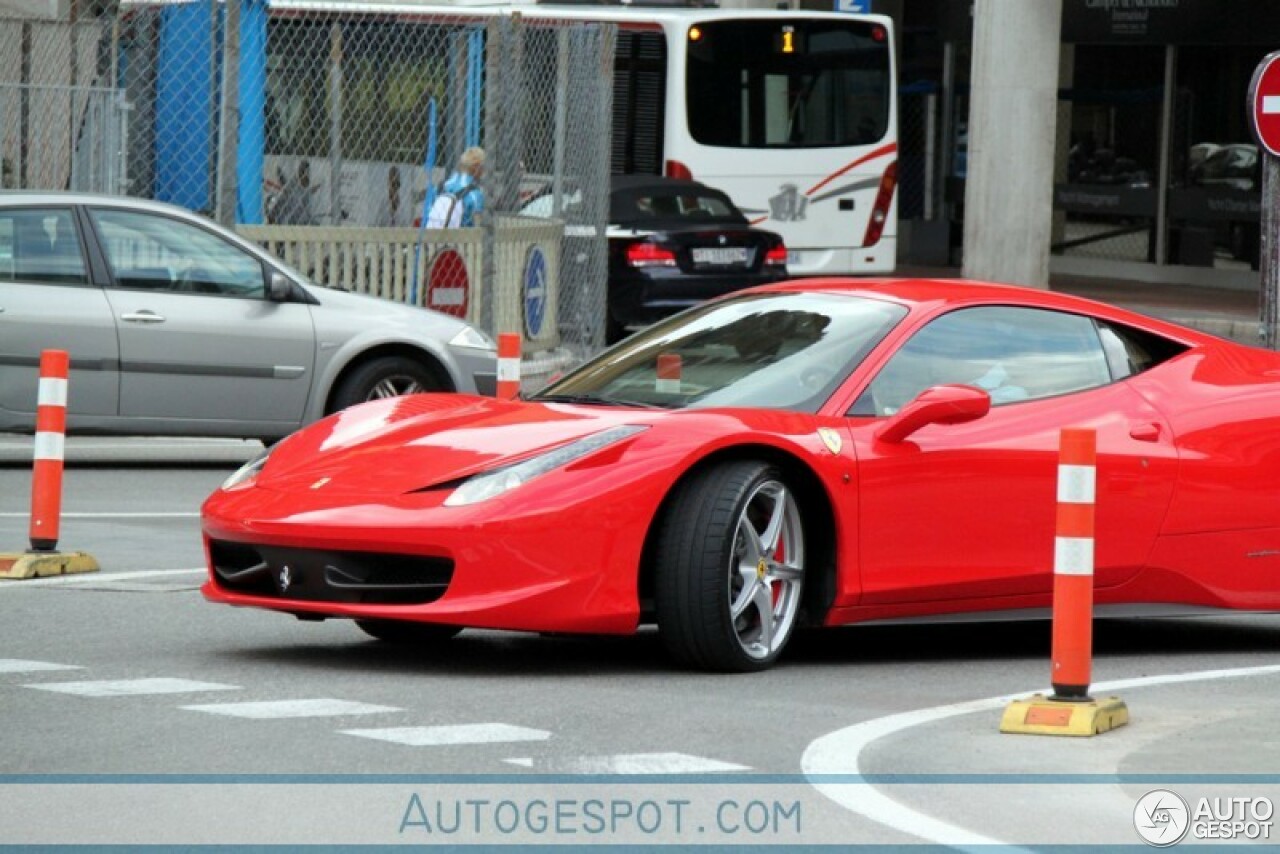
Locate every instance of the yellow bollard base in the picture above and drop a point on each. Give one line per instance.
(1043, 716)
(22, 565)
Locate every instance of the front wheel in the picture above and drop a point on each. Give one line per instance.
(730, 568)
(389, 376)
(403, 633)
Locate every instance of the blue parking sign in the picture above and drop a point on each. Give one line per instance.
(535, 291)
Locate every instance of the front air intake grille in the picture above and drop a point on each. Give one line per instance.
(329, 576)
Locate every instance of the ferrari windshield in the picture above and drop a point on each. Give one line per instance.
(772, 350)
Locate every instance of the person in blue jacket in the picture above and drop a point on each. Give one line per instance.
(461, 190)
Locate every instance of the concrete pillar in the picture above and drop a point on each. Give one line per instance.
(1008, 201)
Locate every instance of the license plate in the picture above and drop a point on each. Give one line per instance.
(722, 256)
(794, 256)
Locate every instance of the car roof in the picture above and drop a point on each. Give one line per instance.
(654, 182)
(13, 198)
(927, 293)
(626, 191)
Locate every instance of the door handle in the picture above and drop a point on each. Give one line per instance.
(1147, 432)
(144, 316)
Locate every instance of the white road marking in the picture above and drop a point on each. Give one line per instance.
(132, 687)
(105, 515)
(442, 736)
(96, 578)
(647, 763)
(22, 665)
(272, 709)
(840, 753)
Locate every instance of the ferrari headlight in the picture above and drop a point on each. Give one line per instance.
(248, 471)
(472, 339)
(491, 484)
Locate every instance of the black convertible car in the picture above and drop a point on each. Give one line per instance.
(674, 243)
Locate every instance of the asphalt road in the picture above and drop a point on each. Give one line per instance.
(132, 711)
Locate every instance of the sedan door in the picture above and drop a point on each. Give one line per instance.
(47, 301)
(200, 344)
(967, 511)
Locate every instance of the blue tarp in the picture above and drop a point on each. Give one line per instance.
(184, 137)
(186, 108)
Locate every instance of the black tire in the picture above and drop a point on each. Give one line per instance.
(404, 633)
(387, 376)
(701, 558)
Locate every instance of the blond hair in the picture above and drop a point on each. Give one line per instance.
(471, 160)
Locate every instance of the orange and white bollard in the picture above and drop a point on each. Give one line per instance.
(1073, 565)
(668, 381)
(46, 483)
(1070, 710)
(508, 366)
(51, 431)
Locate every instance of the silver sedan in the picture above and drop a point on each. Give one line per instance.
(177, 326)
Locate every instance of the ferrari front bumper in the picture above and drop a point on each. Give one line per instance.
(500, 565)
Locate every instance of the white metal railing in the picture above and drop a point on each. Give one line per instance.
(449, 262)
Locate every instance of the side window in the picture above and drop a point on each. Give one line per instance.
(1132, 351)
(40, 246)
(154, 252)
(1014, 353)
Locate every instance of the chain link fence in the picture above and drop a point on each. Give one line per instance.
(325, 129)
(60, 127)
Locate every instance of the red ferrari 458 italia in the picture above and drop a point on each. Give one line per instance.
(818, 452)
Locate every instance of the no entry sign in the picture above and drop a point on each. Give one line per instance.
(1264, 103)
(448, 284)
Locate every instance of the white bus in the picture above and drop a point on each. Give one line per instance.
(792, 113)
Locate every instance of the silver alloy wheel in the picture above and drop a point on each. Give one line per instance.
(394, 386)
(767, 570)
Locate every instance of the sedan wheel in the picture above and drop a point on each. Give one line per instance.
(390, 376)
(730, 571)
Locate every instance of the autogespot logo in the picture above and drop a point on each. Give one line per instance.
(1161, 818)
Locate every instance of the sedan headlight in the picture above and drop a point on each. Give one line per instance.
(493, 483)
(472, 339)
(248, 471)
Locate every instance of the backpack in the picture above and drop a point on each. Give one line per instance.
(446, 210)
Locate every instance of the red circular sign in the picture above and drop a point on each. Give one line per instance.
(447, 284)
(1264, 103)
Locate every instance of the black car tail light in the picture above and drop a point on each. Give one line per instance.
(776, 257)
(649, 255)
(880, 211)
(676, 169)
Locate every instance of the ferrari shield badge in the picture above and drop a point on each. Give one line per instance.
(831, 439)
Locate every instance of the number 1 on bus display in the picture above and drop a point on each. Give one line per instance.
(787, 44)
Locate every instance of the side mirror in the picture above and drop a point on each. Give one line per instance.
(943, 404)
(279, 288)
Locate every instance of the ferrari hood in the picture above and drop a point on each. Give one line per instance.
(409, 443)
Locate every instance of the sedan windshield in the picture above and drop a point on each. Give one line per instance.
(773, 350)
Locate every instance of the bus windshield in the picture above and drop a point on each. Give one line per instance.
(781, 83)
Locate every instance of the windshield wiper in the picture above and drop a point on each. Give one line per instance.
(592, 400)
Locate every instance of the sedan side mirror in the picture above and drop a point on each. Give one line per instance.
(279, 288)
(943, 404)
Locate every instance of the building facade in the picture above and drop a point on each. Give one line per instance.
(1157, 173)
